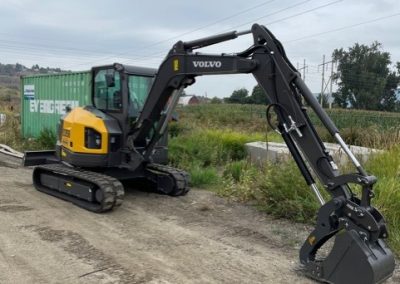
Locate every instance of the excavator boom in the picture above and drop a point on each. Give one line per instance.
(359, 254)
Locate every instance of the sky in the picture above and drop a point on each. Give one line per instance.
(76, 35)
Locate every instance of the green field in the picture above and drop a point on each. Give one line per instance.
(208, 141)
(358, 127)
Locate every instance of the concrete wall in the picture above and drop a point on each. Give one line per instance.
(259, 152)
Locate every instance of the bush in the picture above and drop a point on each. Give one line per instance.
(235, 170)
(202, 177)
(278, 189)
(386, 167)
(209, 147)
(241, 180)
(286, 194)
(176, 129)
(47, 139)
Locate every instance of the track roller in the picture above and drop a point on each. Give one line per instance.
(90, 190)
(169, 180)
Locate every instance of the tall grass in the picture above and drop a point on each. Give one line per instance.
(10, 134)
(9, 131)
(209, 143)
(203, 152)
(386, 167)
(211, 147)
(358, 127)
(209, 140)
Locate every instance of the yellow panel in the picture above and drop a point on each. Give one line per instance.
(73, 132)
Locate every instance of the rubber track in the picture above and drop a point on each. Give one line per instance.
(113, 191)
(180, 177)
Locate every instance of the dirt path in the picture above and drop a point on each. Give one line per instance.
(199, 238)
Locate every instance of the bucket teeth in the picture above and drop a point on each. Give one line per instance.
(359, 254)
(353, 261)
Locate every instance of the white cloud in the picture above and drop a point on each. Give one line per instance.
(77, 34)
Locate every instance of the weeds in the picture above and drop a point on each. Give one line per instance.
(10, 134)
(210, 145)
(47, 139)
(386, 166)
(202, 177)
(358, 127)
(209, 140)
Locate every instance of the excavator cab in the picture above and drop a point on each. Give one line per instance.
(121, 90)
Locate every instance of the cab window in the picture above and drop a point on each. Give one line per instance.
(107, 90)
(139, 88)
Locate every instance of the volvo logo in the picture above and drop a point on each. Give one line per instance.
(207, 64)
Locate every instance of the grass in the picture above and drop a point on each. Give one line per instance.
(10, 134)
(209, 143)
(358, 127)
(216, 161)
(201, 177)
(205, 152)
(386, 167)
(235, 114)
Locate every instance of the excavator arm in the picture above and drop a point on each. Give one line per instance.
(359, 253)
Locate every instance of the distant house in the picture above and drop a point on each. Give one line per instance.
(188, 100)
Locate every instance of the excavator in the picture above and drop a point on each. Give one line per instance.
(101, 145)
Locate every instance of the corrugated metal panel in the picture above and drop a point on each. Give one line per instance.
(45, 97)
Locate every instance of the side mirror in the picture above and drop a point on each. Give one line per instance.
(110, 81)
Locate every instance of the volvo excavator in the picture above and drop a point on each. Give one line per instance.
(101, 145)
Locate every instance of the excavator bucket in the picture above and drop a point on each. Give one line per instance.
(359, 254)
(354, 261)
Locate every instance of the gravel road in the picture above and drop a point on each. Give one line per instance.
(151, 238)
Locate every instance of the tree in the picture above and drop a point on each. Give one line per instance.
(389, 100)
(216, 100)
(239, 96)
(364, 77)
(325, 102)
(258, 96)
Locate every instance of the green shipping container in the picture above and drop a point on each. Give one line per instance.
(45, 97)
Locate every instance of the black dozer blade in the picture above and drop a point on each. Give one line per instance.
(352, 260)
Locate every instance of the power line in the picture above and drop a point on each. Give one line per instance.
(195, 30)
(141, 58)
(270, 23)
(345, 27)
(232, 28)
(291, 16)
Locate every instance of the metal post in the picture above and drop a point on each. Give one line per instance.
(304, 70)
(331, 85)
(317, 193)
(323, 80)
(346, 149)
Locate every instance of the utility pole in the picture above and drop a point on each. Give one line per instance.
(331, 85)
(303, 69)
(324, 84)
(323, 80)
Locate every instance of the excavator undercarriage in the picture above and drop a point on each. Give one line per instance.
(359, 254)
